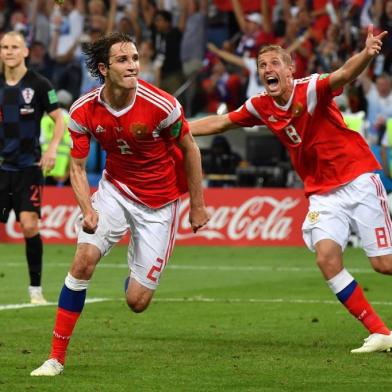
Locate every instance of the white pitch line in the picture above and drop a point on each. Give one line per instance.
(23, 306)
(206, 267)
(204, 299)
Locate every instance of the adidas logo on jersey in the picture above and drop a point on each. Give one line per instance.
(272, 119)
(100, 129)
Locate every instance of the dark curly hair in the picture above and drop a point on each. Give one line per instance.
(99, 51)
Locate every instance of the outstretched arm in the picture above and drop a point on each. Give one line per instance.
(211, 125)
(353, 67)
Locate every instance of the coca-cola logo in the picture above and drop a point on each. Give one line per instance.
(56, 222)
(260, 217)
(255, 219)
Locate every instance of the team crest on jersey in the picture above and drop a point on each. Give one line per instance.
(313, 217)
(297, 109)
(139, 130)
(28, 94)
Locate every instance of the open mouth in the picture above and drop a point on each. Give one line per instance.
(272, 82)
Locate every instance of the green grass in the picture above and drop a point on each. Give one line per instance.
(223, 319)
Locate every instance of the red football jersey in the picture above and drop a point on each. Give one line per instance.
(142, 159)
(324, 152)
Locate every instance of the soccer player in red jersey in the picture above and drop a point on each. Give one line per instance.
(151, 160)
(336, 166)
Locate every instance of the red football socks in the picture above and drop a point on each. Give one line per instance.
(65, 323)
(359, 307)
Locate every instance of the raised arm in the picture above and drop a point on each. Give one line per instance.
(211, 125)
(227, 56)
(353, 67)
(198, 215)
(266, 12)
(81, 190)
(239, 14)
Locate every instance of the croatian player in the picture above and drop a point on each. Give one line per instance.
(25, 96)
(150, 157)
(336, 166)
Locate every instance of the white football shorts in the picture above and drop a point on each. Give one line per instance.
(152, 232)
(360, 207)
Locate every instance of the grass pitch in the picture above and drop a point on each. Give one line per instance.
(223, 319)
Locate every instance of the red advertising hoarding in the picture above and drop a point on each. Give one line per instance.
(239, 217)
(247, 5)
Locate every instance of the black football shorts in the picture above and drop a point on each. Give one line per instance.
(20, 191)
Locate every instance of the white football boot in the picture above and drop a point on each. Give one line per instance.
(375, 342)
(36, 296)
(51, 367)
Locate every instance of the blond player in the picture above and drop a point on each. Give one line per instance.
(336, 166)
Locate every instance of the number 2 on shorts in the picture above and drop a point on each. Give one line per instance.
(155, 268)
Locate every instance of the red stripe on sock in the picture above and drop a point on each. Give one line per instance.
(359, 307)
(64, 325)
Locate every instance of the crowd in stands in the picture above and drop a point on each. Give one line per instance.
(203, 51)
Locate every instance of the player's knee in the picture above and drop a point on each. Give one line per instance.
(325, 260)
(382, 264)
(138, 296)
(29, 229)
(137, 305)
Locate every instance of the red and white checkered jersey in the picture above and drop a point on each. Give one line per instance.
(324, 152)
(142, 159)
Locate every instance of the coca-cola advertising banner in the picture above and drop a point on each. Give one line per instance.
(239, 217)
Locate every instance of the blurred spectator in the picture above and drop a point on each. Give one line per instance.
(385, 23)
(220, 163)
(322, 14)
(67, 28)
(297, 41)
(39, 60)
(129, 25)
(99, 17)
(221, 87)
(167, 43)
(174, 7)
(39, 18)
(386, 146)
(193, 46)
(379, 104)
(249, 64)
(255, 27)
(149, 70)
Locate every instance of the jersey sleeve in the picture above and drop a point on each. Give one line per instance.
(246, 115)
(80, 135)
(324, 91)
(49, 97)
(175, 126)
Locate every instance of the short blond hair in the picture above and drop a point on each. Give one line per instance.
(285, 56)
(15, 34)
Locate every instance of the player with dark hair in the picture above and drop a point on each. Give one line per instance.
(150, 151)
(336, 166)
(24, 98)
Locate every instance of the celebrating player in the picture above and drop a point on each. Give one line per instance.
(24, 98)
(336, 166)
(150, 157)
